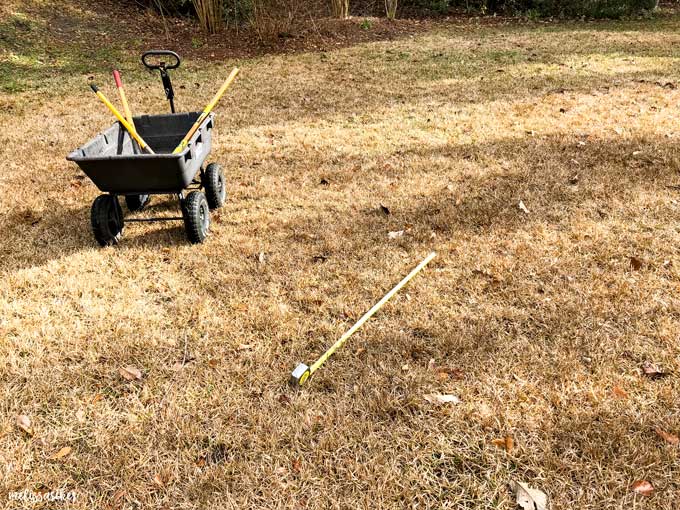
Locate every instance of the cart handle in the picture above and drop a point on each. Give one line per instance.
(160, 53)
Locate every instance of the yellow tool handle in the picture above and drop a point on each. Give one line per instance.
(206, 111)
(122, 120)
(369, 314)
(123, 98)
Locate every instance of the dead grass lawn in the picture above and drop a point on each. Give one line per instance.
(541, 319)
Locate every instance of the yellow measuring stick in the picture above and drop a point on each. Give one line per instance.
(121, 119)
(302, 371)
(206, 111)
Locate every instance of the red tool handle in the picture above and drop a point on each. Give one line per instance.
(116, 76)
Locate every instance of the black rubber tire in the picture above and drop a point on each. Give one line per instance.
(196, 217)
(136, 202)
(106, 217)
(214, 185)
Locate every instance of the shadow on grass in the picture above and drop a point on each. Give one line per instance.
(470, 204)
(63, 231)
(543, 169)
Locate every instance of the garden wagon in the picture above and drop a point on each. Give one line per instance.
(114, 163)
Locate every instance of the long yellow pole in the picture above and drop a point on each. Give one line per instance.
(206, 111)
(123, 99)
(317, 364)
(121, 119)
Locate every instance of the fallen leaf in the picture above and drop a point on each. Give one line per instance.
(284, 399)
(130, 373)
(528, 498)
(200, 462)
(619, 392)
(213, 363)
(360, 350)
(652, 370)
(244, 347)
(523, 207)
(643, 487)
(452, 372)
(405, 368)
(507, 443)
(667, 436)
(297, 465)
(61, 453)
(158, 480)
(438, 398)
(261, 257)
(635, 263)
(24, 423)
(96, 398)
(385, 210)
(395, 234)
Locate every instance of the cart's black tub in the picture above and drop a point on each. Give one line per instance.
(113, 163)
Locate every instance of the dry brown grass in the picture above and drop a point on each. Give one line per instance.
(542, 313)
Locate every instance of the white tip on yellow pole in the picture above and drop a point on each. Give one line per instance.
(206, 111)
(302, 371)
(121, 119)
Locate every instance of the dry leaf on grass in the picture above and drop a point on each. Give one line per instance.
(507, 443)
(395, 234)
(528, 498)
(297, 465)
(130, 373)
(24, 423)
(619, 392)
(643, 487)
(213, 363)
(652, 370)
(244, 347)
(61, 453)
(438, 398)
(667, 436)
(523, 207)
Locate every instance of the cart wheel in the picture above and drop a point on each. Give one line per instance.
(107, 220)
(196, 217)
(215, 188)
(136, 202)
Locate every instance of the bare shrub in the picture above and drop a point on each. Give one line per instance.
(340, 8)
(209, 13)
(391, 9)
(277, 18)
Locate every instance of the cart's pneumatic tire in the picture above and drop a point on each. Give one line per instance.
(107, 220)
(136, 202)
(215, 187)
(196, 217)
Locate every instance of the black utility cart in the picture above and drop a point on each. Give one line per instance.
(113, 161)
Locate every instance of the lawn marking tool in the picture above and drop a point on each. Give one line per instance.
(302, 372)
(206, 111)
(121, 119)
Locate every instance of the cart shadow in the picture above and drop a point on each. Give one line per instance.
(41, 237)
